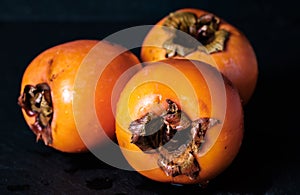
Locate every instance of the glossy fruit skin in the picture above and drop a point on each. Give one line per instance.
(57, 66)
(237, 62)
(147, 88)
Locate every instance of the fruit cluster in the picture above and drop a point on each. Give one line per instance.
(177, 114)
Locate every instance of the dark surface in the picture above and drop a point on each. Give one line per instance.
(268, 162)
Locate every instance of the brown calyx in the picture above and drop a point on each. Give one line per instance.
(204, 29)
(37, 102)
(174, 137)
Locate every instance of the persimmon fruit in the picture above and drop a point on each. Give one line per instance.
(228, 49)
(47, 92)
(179, 121)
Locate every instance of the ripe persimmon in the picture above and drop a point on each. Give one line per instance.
(179, 121)
(48, 92)
(228, 49)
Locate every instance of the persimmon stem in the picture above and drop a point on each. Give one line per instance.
(37, 102)
(174, 137)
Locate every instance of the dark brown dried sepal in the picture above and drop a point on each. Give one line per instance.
(183, 164)
(218, 43)
(199, 129)
(174, 137)
(147, 132)
(36, 102)
(184, 21)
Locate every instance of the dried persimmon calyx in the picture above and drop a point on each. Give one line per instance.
(175, 137)
(204, 29)
(37, 102)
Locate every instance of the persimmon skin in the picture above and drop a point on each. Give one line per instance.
(144, 90)
(237, 62)
(57, 66)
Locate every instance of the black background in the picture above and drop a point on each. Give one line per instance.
(268, 161)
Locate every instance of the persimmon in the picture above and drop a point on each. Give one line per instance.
(179, 121)
(228, 49)
(48, 91)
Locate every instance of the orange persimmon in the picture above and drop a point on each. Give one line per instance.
(48, 92)
(179, 121)
(223, 46)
